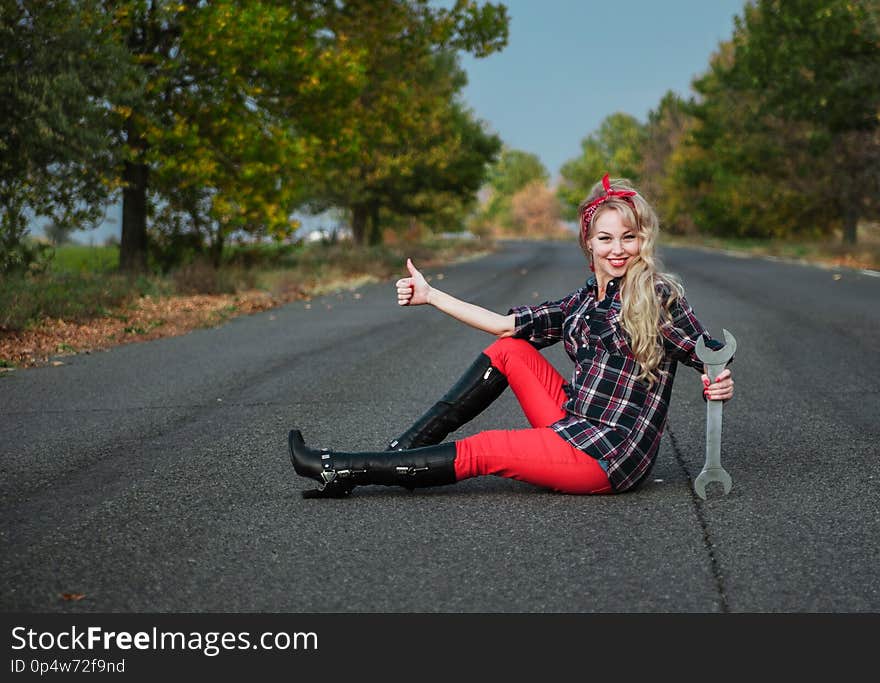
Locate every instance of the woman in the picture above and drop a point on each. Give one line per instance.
(598, 432)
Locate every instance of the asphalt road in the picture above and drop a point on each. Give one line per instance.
(155, 477)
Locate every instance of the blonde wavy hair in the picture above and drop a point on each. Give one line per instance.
(643, 309)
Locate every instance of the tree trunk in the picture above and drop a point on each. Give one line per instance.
(850, 224)
(217, 247)
(359, 215)
(133, 246)
(375, 226)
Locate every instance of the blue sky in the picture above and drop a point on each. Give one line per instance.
(570, 63)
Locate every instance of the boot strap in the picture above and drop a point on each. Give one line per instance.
(410, 471)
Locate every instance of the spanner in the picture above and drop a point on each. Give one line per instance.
(712, 470)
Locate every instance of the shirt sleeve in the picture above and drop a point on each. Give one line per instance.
(681, 332)
(541, 325)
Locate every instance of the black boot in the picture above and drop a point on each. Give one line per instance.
(338, 473)
(475, 390)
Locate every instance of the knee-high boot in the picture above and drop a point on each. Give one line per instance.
(475, 390)
(338, 473)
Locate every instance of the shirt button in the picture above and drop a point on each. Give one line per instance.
(587, 317)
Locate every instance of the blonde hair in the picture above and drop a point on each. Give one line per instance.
(641, 308)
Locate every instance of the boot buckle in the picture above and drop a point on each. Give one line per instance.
(409, 471)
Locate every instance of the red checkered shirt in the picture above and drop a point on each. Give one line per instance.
(611, 415)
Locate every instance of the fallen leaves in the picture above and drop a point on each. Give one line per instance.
(149, 318)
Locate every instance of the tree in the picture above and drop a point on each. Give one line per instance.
(615, 148)
(514, 171)
(815, 65)
(55, 158)
(535, 211)
(664, 133)
(415, 144)
(726, 177)
(443, 185)
(237, 99)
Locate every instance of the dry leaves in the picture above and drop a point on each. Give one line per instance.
(73, 597)
(148, 318)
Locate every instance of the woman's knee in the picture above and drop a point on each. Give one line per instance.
(499, 350)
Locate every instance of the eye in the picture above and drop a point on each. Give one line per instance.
(603, 238)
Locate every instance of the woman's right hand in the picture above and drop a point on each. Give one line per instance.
(412, 290)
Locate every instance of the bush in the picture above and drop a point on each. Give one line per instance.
(25, 299)
(201, 277)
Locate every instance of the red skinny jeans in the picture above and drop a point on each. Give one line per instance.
(539, 455)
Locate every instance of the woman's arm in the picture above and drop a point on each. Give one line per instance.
(681, 334)
(415, 290)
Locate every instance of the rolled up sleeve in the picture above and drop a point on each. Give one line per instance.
(541, 325)
(681, 332)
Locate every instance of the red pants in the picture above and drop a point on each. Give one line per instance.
(538, 456)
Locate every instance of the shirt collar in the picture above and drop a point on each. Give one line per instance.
(610, 289)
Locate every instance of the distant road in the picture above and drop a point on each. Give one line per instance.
(154, 477)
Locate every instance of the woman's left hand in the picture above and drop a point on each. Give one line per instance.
(719, 390)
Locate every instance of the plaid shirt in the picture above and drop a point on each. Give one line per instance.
(611, 415)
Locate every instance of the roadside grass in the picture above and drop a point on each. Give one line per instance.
(75, 258)
(25, 300)
(81, 283)
(831, 251)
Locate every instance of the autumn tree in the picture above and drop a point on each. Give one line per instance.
(788, 121)
(614, 148)
(664, 133)
(535, 211)
(514, 170)
(726, 177)
(55, 158)
(237, 100)
(414, 144)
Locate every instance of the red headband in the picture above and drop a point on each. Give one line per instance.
(594, 205)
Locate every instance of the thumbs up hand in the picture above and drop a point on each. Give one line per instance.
(412, 290)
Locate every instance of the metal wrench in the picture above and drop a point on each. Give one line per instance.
(712, 470)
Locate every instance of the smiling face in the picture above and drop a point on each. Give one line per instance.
(614, 246)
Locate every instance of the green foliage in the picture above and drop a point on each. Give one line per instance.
(214, 118)
(416, 150)
(25, 299)
(615, 148)
(665, 131)
(811, 60)
(20, 254)
(784, 135)
(238, 100)
(55, 154)
(514, 171)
